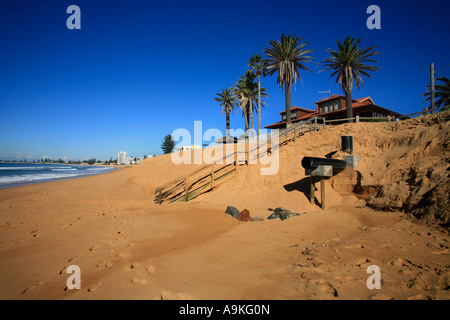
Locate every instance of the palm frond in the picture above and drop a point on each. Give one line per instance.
(349, 63)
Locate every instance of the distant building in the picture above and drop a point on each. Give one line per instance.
(122, 158)
(189, 148)
(334, 108)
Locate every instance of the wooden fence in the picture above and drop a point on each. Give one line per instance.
(407, 116)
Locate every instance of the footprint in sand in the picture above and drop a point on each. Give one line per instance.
(363, 263)
(323, 286)
(444, 252)
(31, 288)
(63, 270)
(104, 264)
(419, 296)
(167, 295)
(150, 269)
(94, 287)
(34, 233)
(139, 281)
(73, 259)
(124, 255)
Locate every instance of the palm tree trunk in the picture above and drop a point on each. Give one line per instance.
(259, 104)
(348, 104)
(228, 123)
(251, 117)
(246, 121)
(287, 91)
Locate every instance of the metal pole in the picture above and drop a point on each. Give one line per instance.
(432, 86)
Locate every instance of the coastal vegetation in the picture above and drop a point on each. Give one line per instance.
(442, 92)
(227, 100)
(168, 144)
(258, 67)
(286, 57)
(349, 65)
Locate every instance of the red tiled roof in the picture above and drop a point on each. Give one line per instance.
(333, 96)
(276, 124)
(315, 113)
(307, 116)
(298, 108)
(366, 99)
(358, 104)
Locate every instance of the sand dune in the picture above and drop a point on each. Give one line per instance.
(128, 247)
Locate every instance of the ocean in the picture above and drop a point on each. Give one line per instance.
(19, 174)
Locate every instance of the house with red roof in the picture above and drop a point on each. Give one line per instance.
(334, 108)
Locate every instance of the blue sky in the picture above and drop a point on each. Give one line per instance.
(138, 70)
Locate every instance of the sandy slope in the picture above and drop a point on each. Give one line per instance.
(127, 247)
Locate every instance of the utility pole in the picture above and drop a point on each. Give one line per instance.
(432, 86)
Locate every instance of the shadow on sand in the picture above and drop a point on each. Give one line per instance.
(303, 186)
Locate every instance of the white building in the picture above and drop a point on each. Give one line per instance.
(189, 148)
(122, 158)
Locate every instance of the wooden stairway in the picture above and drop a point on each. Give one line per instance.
(208, 177)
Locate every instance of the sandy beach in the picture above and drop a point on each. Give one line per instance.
(128, 247)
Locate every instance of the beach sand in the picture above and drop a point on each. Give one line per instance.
(128, 247)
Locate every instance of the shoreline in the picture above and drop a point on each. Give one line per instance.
(38, 181)
(64, 164)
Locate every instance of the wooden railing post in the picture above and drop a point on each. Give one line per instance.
(322, 192)
(186, 188)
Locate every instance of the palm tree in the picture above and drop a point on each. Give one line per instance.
(240, 90)
(227, 101)
(442, 92)
(348, 65)
(287, 57)
(258, 67)
(244, 89)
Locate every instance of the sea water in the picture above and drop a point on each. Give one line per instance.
(19, 174)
